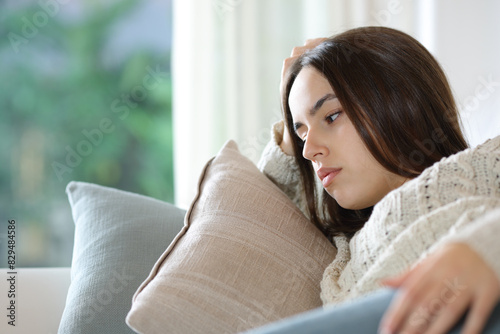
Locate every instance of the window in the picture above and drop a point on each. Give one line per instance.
(85, 95)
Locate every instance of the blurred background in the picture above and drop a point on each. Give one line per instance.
(139, 94)
(85, 94)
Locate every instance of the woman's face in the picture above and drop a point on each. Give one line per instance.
(348, 171)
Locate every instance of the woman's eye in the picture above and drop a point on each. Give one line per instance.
(332, 117)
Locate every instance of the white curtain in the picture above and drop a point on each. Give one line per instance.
(227, 58)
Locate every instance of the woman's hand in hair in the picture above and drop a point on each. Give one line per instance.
(436, 293)
(286, 143)
(297, 52)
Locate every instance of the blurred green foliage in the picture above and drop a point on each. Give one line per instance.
(67, 114)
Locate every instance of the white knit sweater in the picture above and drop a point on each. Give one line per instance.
(455, 200)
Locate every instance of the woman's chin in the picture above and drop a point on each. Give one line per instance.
(348, 206)
(341, 200)
(347, 202)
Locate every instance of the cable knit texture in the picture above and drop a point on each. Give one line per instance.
(455, 200)
(281, 169)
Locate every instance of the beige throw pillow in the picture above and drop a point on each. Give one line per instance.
(245, 257)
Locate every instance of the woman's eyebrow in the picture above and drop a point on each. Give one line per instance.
(320, 103)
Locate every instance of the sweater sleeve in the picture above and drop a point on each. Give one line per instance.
(482, 236)
(282, 169)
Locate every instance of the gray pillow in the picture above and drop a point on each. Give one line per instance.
(118, 238)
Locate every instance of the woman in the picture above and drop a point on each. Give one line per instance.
(370, 114)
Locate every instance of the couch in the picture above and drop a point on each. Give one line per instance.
(241, 256)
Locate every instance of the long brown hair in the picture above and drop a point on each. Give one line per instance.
(399, 101)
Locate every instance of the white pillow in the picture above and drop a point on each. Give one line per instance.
(245, 257)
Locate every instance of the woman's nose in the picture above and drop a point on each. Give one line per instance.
(314, 147)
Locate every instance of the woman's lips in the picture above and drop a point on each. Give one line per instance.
(327, 175)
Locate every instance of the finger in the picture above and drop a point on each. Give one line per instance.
(396, 281)
(298, 50)
(396, 313)
(287, 63)
(284, 71)
(479, 313)
(313, 42)
(439, 316)
(392, 315)
(309, 44)
(409, 305)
